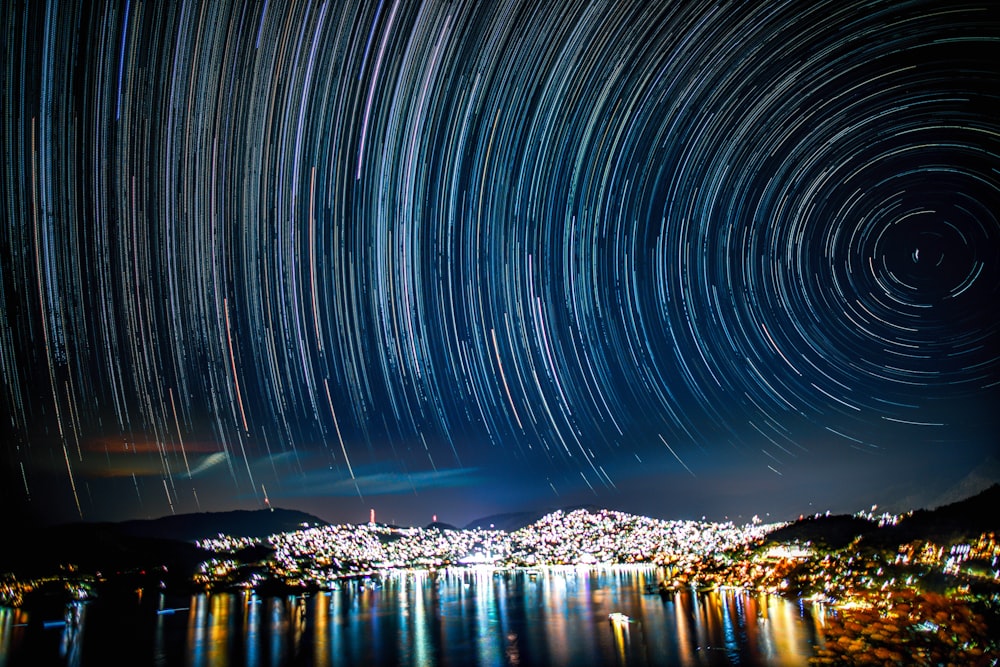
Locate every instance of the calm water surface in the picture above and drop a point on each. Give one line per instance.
(466, 617)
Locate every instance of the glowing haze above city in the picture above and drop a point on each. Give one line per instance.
(460, 258)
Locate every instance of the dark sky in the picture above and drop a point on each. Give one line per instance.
(457, 258)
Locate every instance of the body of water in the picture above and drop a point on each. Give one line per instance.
(552, 616)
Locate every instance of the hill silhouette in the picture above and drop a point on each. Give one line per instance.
(97, 547)
(945, 491)
(239, 523)
(960, 521)
(141, 545)
(831, 532)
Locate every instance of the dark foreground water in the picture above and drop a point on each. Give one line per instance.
(473, 617)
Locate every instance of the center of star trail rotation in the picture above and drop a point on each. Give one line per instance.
(352, 249)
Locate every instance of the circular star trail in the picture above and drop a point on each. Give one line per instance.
(331, 248)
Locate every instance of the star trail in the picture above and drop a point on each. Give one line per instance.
(495, 255)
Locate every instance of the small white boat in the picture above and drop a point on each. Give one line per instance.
(618, 617)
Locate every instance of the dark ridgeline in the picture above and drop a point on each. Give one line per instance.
(831, 532)
(964, 520)
(238, 523)
(142, 548)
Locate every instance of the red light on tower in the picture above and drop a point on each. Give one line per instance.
(434, 518)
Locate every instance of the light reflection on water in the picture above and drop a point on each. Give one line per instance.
(458, 617)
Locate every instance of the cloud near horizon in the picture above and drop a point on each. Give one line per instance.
(326, 482)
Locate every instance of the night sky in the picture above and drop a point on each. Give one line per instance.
(457, 258)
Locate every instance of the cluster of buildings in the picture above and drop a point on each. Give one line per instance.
(693, 554)
(582, 537)
(855, 571)
(320, 555)
(980, 557)
(66, 584)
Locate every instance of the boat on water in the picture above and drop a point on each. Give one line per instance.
(616, 617)
(171, 610)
